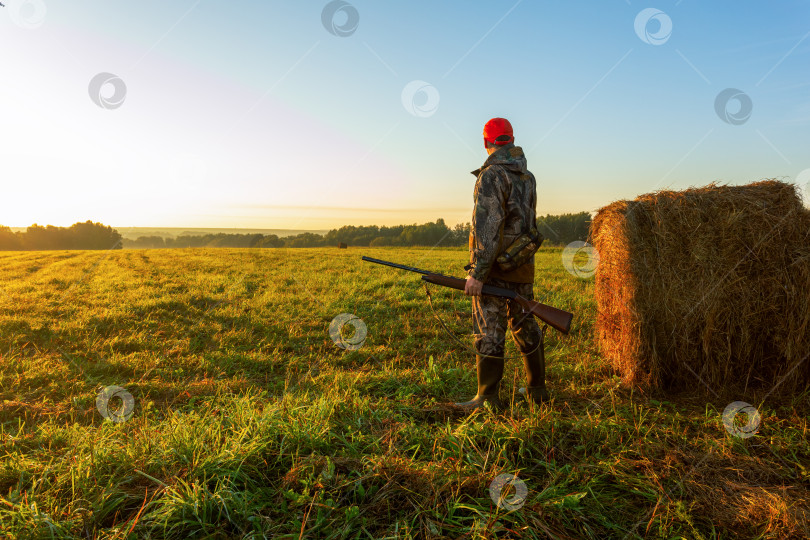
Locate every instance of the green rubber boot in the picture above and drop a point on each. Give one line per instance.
(535, 364)
(490, 373)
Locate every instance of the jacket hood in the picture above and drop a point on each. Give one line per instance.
(510, 157)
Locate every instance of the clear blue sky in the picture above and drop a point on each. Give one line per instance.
(252, 114)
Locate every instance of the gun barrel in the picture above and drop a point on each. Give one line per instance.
(554, 317)
(395, 265)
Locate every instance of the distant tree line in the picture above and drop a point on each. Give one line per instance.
(87, 235)
(427, 234)
(563, 229)
(557, 230)
(206, 240)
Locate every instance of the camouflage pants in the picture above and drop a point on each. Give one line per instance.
(491, 315)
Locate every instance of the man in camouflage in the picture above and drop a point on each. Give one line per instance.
(505, 200)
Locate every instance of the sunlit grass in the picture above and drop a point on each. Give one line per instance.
(250, 422)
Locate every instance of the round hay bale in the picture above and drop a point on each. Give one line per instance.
(708, 284)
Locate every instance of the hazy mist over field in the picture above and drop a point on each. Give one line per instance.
(172, 232)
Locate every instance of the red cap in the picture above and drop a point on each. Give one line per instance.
(498, 127)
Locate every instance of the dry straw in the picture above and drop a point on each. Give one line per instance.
(710, 284)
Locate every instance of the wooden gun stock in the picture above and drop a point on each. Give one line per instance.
(554, 317)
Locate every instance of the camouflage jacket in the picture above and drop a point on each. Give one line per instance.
(505, 201)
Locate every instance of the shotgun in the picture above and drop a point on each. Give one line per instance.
(556, 318)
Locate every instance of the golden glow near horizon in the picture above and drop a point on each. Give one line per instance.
(294, 217)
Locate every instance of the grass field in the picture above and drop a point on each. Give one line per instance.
(250, 422)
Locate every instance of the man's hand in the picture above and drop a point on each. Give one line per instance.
(473, 287)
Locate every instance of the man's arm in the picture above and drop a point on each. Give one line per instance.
(488, 220)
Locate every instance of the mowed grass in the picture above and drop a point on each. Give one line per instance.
(250, 422)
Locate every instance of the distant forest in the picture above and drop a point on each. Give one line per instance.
(87, 235)
(557, 230)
